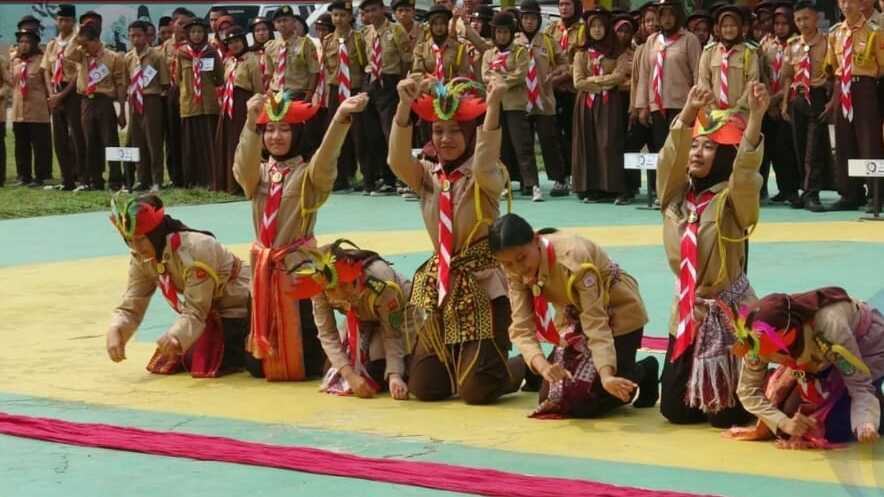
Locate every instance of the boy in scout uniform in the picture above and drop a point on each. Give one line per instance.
(291, 59)
(806, 81)
(856, 55)
(440, 55)
(181, 16)
(730, 65)
(30, 112)
(404, 12)
(148, 78)
(569, 32)
(101, 80)
(64, 102)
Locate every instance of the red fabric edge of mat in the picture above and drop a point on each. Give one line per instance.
(655, 344)
(309, 460)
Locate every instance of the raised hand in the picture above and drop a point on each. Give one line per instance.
(353, 105)
(408, 91)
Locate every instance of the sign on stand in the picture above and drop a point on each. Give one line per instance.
(872, 169)
(122, 154)
(643, 162)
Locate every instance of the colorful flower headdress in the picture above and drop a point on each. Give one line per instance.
(321, 271)
(281, 107)
(755, 337)
(133, 218)
(460, 99)
(723, 126)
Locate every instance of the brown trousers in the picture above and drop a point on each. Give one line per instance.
(33, 148)
(519, 139)
(146, 133)
(487, 379)
(172, 136)
(99, 120)
(199, 155)
(67, 136)
(550, 145)
(859, 139)
(810, 138)
(226, 140)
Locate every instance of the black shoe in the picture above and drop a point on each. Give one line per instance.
(779, 197)
(648, 391)
(384, 191)
(813, 204)
(844, 205)
(559, 189)
(140, 187)
(533, 381)
(870, 208)
(341, 186)
(625, 199)
(37, 183)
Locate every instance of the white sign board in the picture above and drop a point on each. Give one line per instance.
(122, 154)
(640, 161)
(866, 168)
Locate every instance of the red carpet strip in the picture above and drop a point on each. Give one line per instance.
(655, 344)
(208, 448)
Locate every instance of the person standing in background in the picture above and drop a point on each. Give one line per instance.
(165, 30)
(262, 31)
(181, 16)
(30, 111)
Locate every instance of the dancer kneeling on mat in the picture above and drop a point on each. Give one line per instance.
(362, 286)
(709, 184)
(827, 390)
(203, 282)
(286, 192)
(460, 292)
(597, 325)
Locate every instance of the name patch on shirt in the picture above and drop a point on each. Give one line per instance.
(99, 73)
(147, 75)
(207, 64)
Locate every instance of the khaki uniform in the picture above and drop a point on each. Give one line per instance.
(112, 85)
(67, 130)
(834, 323)
(248, 76)
(743, 69)
(614, 73)
(199, 118)
(624, 314)
(455, 60)
(357, 52)
(396, 52)
(201, 292)
(212, 83)
(796, 47)
(576, 33)
(54, 48)
(146, 128)
(379, 309)
(30, 116)
(301, 67)
(33, 108)
(635, 73)
(680, 69)
(513, 74)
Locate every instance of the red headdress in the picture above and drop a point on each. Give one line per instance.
(724, 127)
(458, 100)
(282, 108)
(322, 271)
(135, 218)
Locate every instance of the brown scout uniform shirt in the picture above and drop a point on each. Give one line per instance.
(483, 168)
(818, 47)
(614, 72)
(455, 60)
(383, 320)
(302, 63)
(113, 85)
(767, 55)
(834, 323)
(170, 51)
(635, 73)
(5, 86)
(680, 67)
(624, 314)
(576, 39)
(248, 74)
(548, 56)
(396, 53)
(34, 108)
(743, 68)
(212, 84)
(626, 84)
(151, 57)
(513, 74)
(199, 289)
(357, 52)
(740, 212)
(54, 48)
(868, 48)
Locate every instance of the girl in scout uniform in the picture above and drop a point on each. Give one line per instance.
(597, 325)
(729, 66)
(459, 294)
(365, 288)
(830, 352)
(205, 284)
(709, 195)
(286, 192)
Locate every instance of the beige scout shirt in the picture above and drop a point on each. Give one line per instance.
(153, 61)
(637, 65)
(835, 323)
(396, 52)
(743, 69)
(211, 83)
(34, 108)
(455, 60)
(768, 55)
(248, 75)
(614, 72)
(379, 314)
(740, 212)
(548, 56)
(624, 314)
(576, 33)
(355, 50)
(113, 84)
(301, 66)
(54, 49)
(5, 86)
(513, 73)
(626, 84)
(199, 289)
(253, 175)
(868, 48)
(170, 51)
(680, 68)
(483, 169)
(817, 46)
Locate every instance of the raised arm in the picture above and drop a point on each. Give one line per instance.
(402, 163)
(672, 164)
(745, 181)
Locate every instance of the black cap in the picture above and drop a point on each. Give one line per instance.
(647, 5)
(66, 10)
(366, 3)
(260, 20)
(234, 33)
(197, 21)
(284, 11)
(768, 5)
(529, 7)
(504, 20)
(341, 5)
(700, 14)
(438, 9)
(28, 32)
(401, 3)
(29, 20)
(597, 11)
(806, 4)
(484, 12)
(90, 14)
(164, 21)
(325, 21)
(731, 9)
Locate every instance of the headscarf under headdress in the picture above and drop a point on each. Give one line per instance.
(282, 107)
(145, 216)
(326, 267)
(725, 127)
(460, 100)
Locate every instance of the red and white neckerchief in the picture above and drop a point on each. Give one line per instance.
(595, 64)
(376, 57)
(846, 78)
(267, 231)
(687, 283)
(543, 312)
(802, 77)
(723, 85)
(58, 67)
(657, 78)
(358, 347)
(196, 60)
(23, 78)
(321, 93)
(281, 60)
(136, 90)
(262, 66)
(173, 63)
(167, 286)
(227, 94)
(343, 70)
(439, 72)
(533, 85)
(498, 63)
(776, 66)
(446, 228)
(564, 40)
(92, 84)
